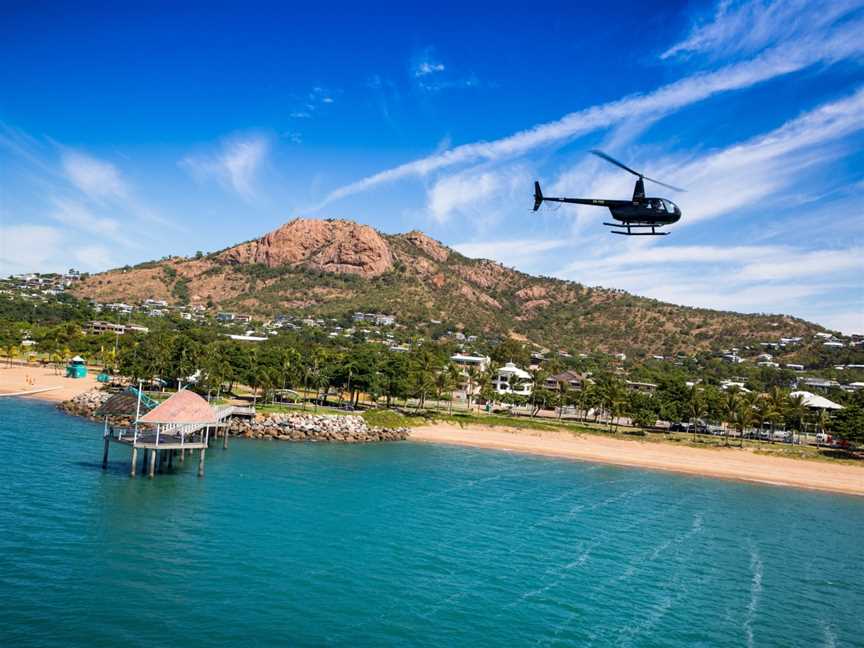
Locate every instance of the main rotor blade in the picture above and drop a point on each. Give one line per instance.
(663, 184)
(609, 158)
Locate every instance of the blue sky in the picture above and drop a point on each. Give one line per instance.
(132, 133)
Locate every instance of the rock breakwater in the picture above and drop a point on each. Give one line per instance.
(314, 428)
(85, 404)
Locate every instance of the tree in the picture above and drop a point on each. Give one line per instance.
(510, 351)
(848, 423)
(393, 375)
(424, 366)
(613, 399)
(696, 408)
(454, 378)
(796, 412)
(743, 417)
(729, 405)
(472, 375)
(764, 411)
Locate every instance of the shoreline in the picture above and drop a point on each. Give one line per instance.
(42, 383)
(717, 463)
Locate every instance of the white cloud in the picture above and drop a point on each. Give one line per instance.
(76, 215)
(454, 192)
(428, 67)
(845, 322)
(750, 278)
(508, 252)
(235, 165)
(842, 43)
(749, 26)
(819, 263)
(743, 174)
(93, 258)
(25, 248)
(96, 178)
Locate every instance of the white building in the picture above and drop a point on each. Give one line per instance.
(510, 379)
(481, 363)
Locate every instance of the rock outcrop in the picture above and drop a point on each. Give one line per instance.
(428, 245)
(330, 246)
(314, 428)
(85, 404)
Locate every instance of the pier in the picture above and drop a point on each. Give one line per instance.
(167, 432)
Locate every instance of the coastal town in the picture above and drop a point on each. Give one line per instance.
(445, 324)
(797, 390)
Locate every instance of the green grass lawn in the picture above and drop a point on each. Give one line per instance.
(391, 418)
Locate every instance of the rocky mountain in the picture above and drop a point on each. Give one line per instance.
(334, 267)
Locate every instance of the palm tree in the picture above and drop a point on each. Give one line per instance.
(729, 405)
(56, 358)
(11, 351)
(587, 399)
(472, 374)
(613, 398)
(796, 410)
(561, 390)
(764, 411)
(779, 402)
(823, 421)
(743, 416)
(696, 407)
(454, 377)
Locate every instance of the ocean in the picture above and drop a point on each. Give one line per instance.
(407, 544)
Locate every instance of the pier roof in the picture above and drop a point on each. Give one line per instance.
(182, 408)
(122, 404)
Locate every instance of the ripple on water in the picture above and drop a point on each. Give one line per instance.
(406, 544)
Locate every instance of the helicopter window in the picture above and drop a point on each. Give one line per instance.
(669, 206)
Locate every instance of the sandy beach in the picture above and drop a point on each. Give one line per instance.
(42, 382)
(725, 463)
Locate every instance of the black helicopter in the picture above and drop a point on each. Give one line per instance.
(639, 213)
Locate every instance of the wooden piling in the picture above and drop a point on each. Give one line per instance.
(105, 453)
(152, 468)
(201, 454)
(225, 437)
(133, 463)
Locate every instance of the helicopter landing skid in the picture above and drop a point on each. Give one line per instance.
(653, 232)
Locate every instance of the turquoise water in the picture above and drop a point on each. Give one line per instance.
(407, 544)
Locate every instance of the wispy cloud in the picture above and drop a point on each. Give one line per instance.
(840, 43)
(24, 248)
(96, 178)
(76, 215)
(235, 165)
(509, 252)
(749, 26)
(740, 175)
(753, 278)
(307, 105)
(457, 191)
(426, 68)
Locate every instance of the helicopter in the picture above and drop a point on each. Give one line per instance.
(639, 213)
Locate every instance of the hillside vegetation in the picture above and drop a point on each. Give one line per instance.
(330, 268)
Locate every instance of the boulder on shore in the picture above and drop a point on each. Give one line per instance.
(314, 428)
(85, 404)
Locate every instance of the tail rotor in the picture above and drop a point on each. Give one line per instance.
(538, 196)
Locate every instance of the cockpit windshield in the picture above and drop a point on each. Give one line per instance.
(669, 205)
